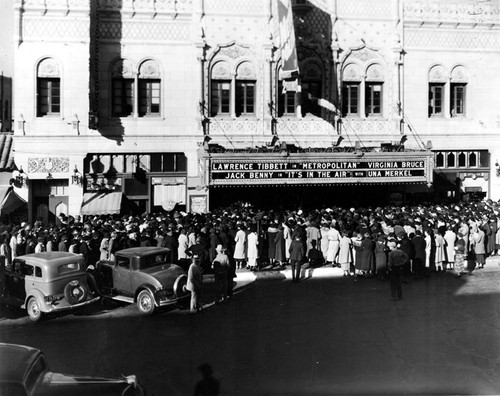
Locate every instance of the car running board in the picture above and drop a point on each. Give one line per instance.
(129, 300)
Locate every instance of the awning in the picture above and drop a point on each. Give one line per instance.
(11, 202)
(101, 203)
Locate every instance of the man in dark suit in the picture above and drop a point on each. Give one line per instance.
(418, 243)
(396, 261)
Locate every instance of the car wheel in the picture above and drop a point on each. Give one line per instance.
(145, 302)
(180, 286)
(75, 292)
(33, 309)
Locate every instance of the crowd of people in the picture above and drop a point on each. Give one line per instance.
(436, 238)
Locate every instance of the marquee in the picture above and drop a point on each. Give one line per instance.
(400, 167)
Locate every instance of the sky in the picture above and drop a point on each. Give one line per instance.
(6, 34)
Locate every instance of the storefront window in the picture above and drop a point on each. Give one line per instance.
(461, 160)
(450, 160)
(472, 159)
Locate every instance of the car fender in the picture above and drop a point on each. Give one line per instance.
(44, 307)
(149, 287)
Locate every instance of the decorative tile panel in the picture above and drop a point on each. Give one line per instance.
(453, 39)
(144, 31)
(47, 29)
(50, 164)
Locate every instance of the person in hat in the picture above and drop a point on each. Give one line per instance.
(222, 269)
(195, 284)
(297, 252)
(397, 259)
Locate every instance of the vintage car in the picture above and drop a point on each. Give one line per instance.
(141, 275)
(46, 282)
(24, 372)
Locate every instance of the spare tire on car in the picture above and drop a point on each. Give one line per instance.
(75, 292)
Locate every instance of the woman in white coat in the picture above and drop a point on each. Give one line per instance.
(252, 251)
(239, 247)
(333, 244)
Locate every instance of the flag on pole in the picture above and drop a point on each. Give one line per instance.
(289, 60)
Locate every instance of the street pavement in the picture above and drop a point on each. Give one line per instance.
(327, 335)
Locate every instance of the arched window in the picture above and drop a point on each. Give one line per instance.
(437, 82)
(245, 89)
(450, 160)
(461, 160)
(149, 88)
(439, 160)
(48, 88)
(123, 80)
(351, 83)
(458, 84)
(220, 90)
(374, 90)
(472, 159)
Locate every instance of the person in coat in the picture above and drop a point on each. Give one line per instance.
(419, 260)
(381, 250)
(333, 244)
(253, 248)
(222, 269)
(366, 262)
(450, 237)
(324, 229)
(440, 257)
(479, 247)
(194, 285)
(296, 257)
(396, 261)
(272, 232)
(345, 253)
(279, 242)
(239, 247)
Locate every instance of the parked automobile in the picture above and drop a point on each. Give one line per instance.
(24, 372)
(144, 276)
(46, 282)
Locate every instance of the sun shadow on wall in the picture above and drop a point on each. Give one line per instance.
(110, 86)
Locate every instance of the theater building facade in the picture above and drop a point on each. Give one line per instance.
(140, 106)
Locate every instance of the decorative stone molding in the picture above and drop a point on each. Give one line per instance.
(122, 68)
(149, 69)
(437, 74)
(351, 72)
(48, 164)
(459, 75)
(234, 52)
(246, 71)
(48, 68)
(375, 73)
(463, 12)
(364, 54)
(221, 71)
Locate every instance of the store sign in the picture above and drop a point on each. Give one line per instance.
(406, 169)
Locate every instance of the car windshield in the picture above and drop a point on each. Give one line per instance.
(153, 260)
(70, 267)
(37, 369)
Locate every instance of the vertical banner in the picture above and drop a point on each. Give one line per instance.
(290, 64)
